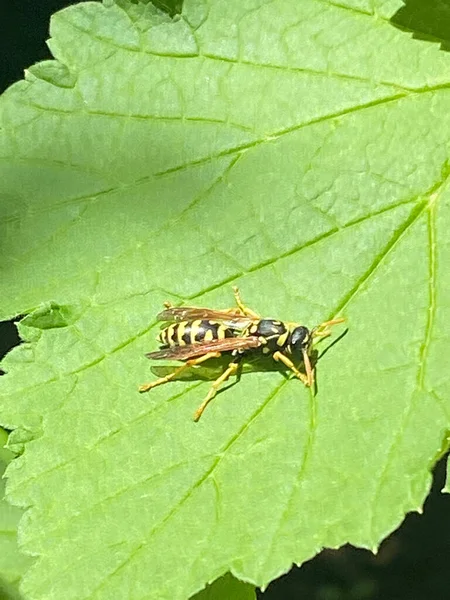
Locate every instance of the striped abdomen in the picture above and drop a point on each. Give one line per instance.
(194, 332)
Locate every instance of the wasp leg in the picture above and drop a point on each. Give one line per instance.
(306, 379)
(308, 368)
(230, 370)
(189, 363)
(248, 312)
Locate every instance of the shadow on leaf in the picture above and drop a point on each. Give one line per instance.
(252, 364)
(429, 21)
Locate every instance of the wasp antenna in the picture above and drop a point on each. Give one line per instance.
(332, 322)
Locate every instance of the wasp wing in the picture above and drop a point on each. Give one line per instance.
(191, 313)
(194, 350)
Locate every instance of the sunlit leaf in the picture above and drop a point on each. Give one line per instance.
(13, 564)
(298, 149)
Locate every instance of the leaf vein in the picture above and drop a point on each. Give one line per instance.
(430, 207)
(431, 294)
(379, 259)
(309, 71)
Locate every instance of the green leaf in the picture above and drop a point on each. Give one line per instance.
(296, 149)
(227, 587)
(13, 564)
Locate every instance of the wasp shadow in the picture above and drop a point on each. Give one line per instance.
(427, 20)
(211, 370)
(253, 363)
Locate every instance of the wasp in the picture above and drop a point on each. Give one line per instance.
(194, 335)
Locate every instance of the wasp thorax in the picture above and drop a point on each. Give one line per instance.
(268, 328)
(271, 333)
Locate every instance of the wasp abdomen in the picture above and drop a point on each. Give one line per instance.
(192, 332)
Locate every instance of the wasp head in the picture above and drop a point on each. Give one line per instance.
(300, 341)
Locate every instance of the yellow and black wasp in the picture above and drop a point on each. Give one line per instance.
(194, 335)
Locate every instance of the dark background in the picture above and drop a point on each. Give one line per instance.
(413, 563)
